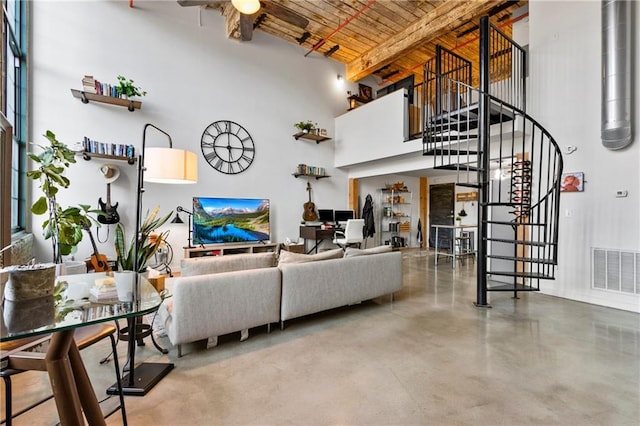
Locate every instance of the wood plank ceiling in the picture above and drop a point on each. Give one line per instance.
(389, 39)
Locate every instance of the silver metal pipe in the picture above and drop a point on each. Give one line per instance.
(616, 74)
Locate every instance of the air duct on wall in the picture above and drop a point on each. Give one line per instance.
(616, 73)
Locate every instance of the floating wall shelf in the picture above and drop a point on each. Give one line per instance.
(311, 137)
(85, 97)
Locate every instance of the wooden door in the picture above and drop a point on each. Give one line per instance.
(441, 212)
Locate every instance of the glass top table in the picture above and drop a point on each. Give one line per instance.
(43, 315)
(72, 389)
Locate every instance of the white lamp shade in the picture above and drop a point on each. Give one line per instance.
(169, 165)
(248, 7)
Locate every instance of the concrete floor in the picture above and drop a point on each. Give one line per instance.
(430, 357)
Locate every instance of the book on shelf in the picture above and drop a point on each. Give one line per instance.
(305, 169)
(115, 149)
(91, 85)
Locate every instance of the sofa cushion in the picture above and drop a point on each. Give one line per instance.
(228, 263)
(351, 252)
(290, 257)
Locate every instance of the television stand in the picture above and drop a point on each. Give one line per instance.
(227, 249)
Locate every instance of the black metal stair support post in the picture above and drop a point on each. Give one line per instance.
(484, 157)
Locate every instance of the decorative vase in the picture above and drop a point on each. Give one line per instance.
(28, 314)
(124, 285)
(30, 282)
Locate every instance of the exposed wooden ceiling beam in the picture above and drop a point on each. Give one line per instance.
(434, 24)
(238, 26)
(232, 21)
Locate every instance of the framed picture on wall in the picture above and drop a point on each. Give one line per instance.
(364, 92)
(572, 182)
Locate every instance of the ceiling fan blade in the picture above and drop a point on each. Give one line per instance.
(187, 3)
(246, 27)
(284, 14)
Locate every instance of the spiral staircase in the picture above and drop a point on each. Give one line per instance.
(468, 129)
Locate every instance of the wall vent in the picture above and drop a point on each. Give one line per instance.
(615, 270)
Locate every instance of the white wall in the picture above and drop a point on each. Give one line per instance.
(194, 76)
(565, 81)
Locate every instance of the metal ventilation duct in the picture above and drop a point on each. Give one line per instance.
(616, 73)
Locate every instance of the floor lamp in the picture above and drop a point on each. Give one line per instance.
(157, 165)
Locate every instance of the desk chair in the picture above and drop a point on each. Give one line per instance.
(84, 337)
(353, 234)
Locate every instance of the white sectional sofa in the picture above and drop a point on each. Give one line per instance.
(312, 287)
(206, 304)
(224, 294)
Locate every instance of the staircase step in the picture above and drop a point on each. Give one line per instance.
(522, 274)
(500, 222)
(468, 185)
(524, 259)
(435, 138)
(458, 167)
(500, 286)
(507, 204)
(444, 151)
(436, 127)
(519, 242)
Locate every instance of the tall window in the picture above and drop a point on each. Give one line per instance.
(14, 96)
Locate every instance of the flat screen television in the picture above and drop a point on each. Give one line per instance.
(230, 220)
(343, 215)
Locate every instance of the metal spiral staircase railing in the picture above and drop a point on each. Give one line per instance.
(467, 130)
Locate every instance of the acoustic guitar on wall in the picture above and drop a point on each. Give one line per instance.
(310, 214)
(98, 261)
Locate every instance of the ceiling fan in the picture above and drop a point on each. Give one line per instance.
(249, 11)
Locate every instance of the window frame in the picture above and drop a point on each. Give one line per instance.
(13, 104)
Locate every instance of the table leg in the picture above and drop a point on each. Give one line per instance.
(61, 377)
(88, 398)
(436, 244)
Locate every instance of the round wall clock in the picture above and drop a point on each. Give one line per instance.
(227, 147)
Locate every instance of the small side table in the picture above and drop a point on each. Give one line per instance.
(293, 248)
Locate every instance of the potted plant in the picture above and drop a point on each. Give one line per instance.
(304, 126)
(125, 88)
(147, 246)
(65, 226)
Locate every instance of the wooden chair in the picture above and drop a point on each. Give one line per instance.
(84, 337)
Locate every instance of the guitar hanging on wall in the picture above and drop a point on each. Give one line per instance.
(110, 213)
(98, 261)
(310, 214)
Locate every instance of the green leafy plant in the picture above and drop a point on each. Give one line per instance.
(147, 246)
(304, 125)
(125, 87)
(65, 225)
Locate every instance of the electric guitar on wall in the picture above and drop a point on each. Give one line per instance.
(310, 214)
(110, 215)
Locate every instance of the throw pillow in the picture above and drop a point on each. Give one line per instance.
(351, 252)
(290, 257)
